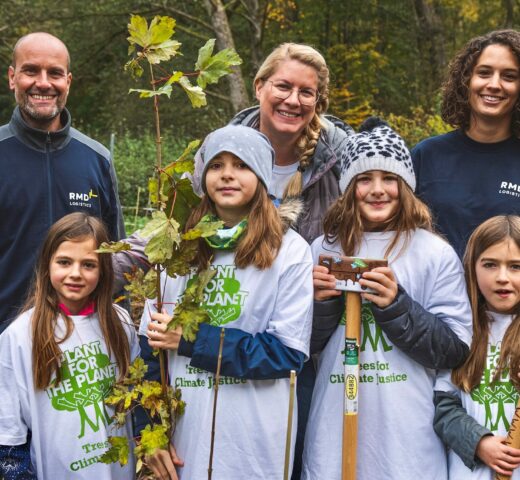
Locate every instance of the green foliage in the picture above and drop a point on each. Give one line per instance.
(164, 234)
(141, 286)
(113, 247)
(420, 125)
(118, 452)
(134, 160)
(212, 68)
(188, 313)
(134, 391)
(195, 93)
(166, 249)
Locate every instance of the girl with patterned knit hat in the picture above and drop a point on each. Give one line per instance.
(416, 320)
(475, 403)
(262, 296)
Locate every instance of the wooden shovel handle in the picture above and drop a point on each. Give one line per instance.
(350, 419)
(513, 437)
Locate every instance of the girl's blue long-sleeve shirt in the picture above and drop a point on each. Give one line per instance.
(258, 357)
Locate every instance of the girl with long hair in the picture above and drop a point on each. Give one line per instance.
(470, 174)
(475, 406)
(60, 357)
(416, 320)
(261, 295)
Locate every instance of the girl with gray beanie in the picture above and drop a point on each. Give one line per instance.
(261, 295)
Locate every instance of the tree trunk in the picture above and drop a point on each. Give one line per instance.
(256, 17)
(219, 21)
(430, 29)
(508, 5)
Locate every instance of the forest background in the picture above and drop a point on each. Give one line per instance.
(386, 57)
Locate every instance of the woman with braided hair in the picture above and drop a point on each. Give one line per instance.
(292, 88)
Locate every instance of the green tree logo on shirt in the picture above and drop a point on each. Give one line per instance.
(494, 396)
(87, 376)
(371, 333)
(223, 298)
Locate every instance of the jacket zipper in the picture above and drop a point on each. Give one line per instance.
(49, 185)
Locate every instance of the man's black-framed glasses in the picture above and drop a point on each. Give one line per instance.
(283, 90)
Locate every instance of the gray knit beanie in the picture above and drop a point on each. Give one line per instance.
(378, 147)
(248, 144)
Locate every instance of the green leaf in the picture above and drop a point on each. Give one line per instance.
(164, 234)
(155, 225)
(162, 52)
(141, 286)
(113, 247)
(138, 29)
(118, 452)
(143, 93)
(155, 41)
(203, 229)
(161, 29)
(183, 255)
(136, 371)
(174, 78)
(188, 312)
(189, 316)
(151, 440)
(212, 68)
(195, 94)
(153, 190)
(185, 201)
(134, 68)
(184, 164)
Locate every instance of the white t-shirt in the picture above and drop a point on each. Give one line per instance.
(281, 176)
(396, 440)
(251, 419)
(69, 422)
(492, 405)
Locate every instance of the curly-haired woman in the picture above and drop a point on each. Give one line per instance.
(472, 173)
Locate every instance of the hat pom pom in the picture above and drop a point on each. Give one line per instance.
(372, 122)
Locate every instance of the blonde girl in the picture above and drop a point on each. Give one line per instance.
(60, 357)
(474, 409)
(262, 296)
(417, 320)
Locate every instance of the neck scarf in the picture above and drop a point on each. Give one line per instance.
(225, 238)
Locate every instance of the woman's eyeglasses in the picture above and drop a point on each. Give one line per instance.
(282, 90)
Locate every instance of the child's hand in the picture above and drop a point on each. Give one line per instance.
(162, 464)
(324, 284)
(158, 336)
(498, 456)
(383, 282)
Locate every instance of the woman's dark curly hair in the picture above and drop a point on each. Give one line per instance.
(456, 109)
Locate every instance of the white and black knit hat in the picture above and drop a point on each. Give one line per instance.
(376, 147)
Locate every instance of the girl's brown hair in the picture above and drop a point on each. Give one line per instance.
(343, 220)
(468, 376)
(261, 239)
(456, 109)
(311, 134)
(46, 352)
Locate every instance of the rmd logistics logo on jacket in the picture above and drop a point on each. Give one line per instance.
(510, 188)
(81, 199)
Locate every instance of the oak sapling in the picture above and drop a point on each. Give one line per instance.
(152, 48)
